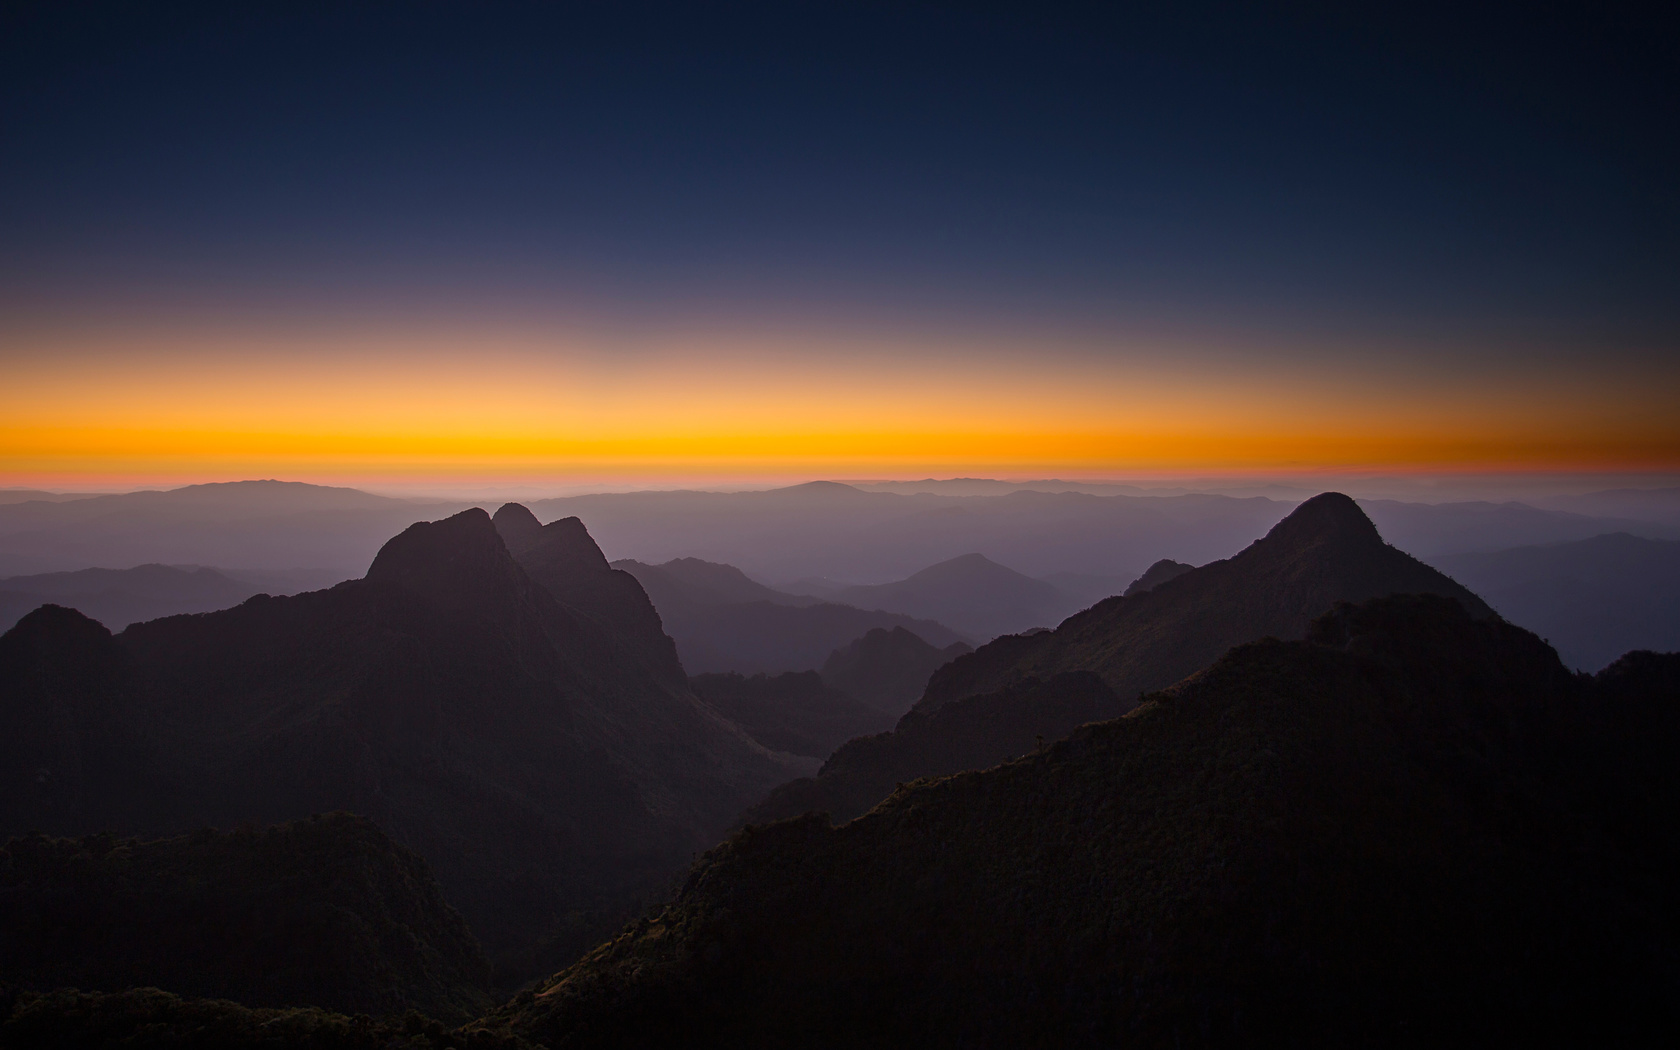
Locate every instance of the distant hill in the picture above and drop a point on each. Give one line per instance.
(543, 765)
(795, 711)
(324, 912)
(722, 621)
(1325, 552)
(242, 524)
(119, 597)
(970, 593)
(1593, 599)
(1414, 828)
(887, 669)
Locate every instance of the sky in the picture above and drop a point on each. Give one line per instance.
(433, 245)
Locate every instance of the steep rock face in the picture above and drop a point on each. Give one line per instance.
(508, 739)
(563, 558)
(326, 912)
(888, 669)
(1415, 827)
(1326, 551)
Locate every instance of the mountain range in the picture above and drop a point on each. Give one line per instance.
(1008, 694)
(723, 621)
(970, 593)
(1414, 826)
(1593, 599)
(542, 752)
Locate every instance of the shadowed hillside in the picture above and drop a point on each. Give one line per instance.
(795, 711)
(325, 912)
(1325, 552)
(543, 764)
(886, 669)
(722, 621)
(1416, 827)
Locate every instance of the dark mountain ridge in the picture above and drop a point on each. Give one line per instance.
(1415, 826)
(887, 669)
(1326, 551)
(536, 759)
(119, 597)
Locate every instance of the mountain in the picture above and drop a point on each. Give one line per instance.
(1414, 827)
(324, 912)
(244, 524)
(1325, 552)
(1157, 574)
(976, 732)
(563, 559)
(971, 593)
(1593, 599)
(887, 669)
(119, 597)
(795, 711)
(1432, 529)
(546, 770)
(722, 621)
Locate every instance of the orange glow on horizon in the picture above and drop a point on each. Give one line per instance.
(450, 405)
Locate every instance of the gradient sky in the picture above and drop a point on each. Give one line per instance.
(432, 241)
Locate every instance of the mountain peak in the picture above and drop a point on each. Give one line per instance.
(519, 528)
(563, 546)
(1329, 517)
(459, 561)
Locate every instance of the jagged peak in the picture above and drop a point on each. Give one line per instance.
(563, 546)
(1327, 517)
(459, 561)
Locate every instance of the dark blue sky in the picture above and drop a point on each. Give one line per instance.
(1493, 174)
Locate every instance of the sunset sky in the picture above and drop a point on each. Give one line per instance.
(414, 244)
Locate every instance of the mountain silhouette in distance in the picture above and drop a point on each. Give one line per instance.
(971, 594)
(723, 621)
(324, 912)
(1414, 826)
(540, 764)
(1325, 552)
(887, 669)
(119, 597)
(1592, 599)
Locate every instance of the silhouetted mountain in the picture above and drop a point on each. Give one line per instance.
(119, 597)
(887, 670)
(530, 756)
(243, 524)
(1414, 828)
(1592, 599)
(793, 711)
(972, 594)
(722, 621)
(973, 733)
(563, 558)
(1159, 573)
(1655, 505)
(1325, 551)
(149, 1019)
(325, 912)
